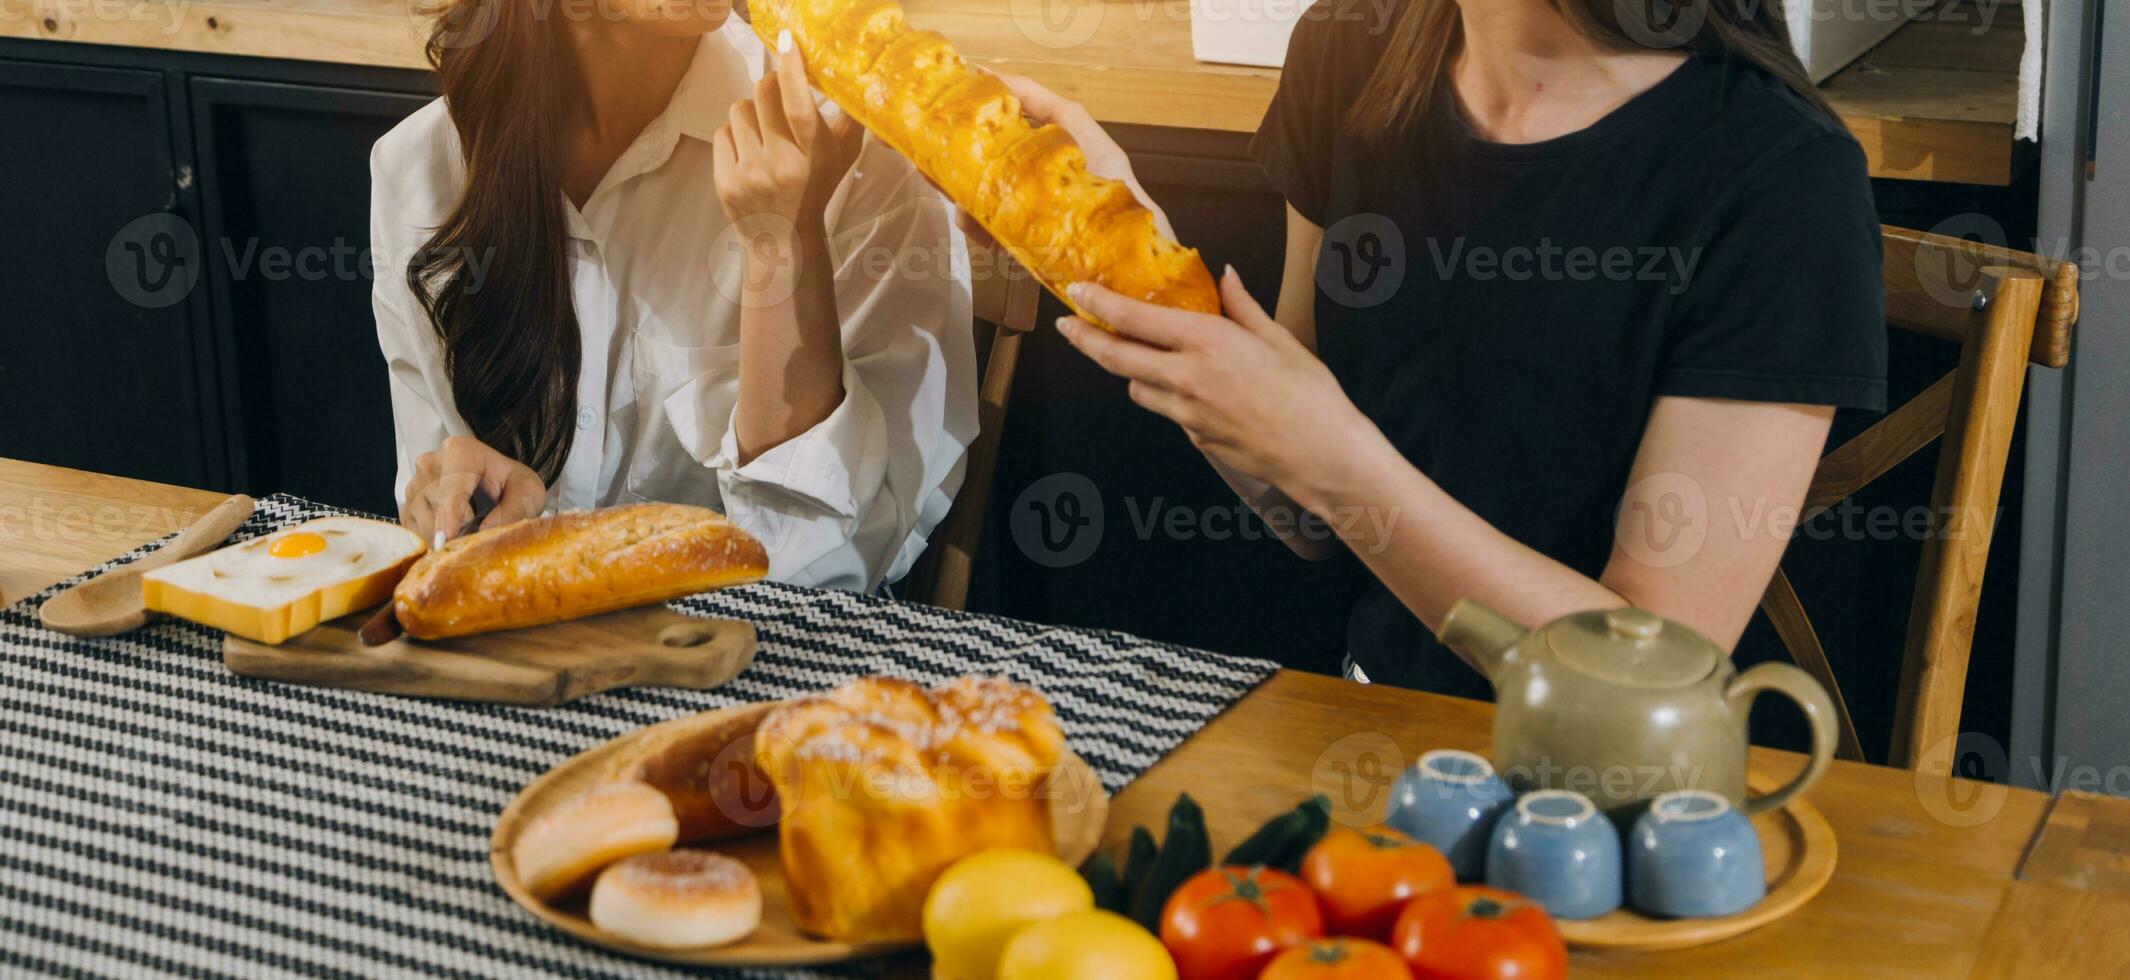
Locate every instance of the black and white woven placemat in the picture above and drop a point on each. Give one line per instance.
(160, 815)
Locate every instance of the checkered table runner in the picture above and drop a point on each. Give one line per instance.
(160, 815)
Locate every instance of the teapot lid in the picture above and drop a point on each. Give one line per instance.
(1632, 648)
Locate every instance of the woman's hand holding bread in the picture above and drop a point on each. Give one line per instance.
(439, 497)
(1245, 390)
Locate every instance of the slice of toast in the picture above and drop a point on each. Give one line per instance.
(276, 586)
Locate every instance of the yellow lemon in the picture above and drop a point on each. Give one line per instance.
(983, 899)
(1085, 944)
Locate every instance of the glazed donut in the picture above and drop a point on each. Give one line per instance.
(677, 899)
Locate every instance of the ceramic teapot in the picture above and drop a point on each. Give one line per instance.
(1621, 705)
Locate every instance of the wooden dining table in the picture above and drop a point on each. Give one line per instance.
(1937, 876)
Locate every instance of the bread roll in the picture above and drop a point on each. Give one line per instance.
(884, 784)
(705, 766)
(573, 564)
(558, 852)
(677, 899)
(1028, 186)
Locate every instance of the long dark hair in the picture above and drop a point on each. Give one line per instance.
(510, 338)
(1425, 33)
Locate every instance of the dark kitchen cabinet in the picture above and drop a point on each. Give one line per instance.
(186, 284)
(285, 198)
(101, 359)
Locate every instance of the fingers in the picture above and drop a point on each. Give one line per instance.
(795, 99)
(746, 131)
(523, 498)
(1146, 322)
(462, 454)
(444, 506)
(1167, 404)
(725, 163)
(769, 108)
(1241, 307)
(1121, 356)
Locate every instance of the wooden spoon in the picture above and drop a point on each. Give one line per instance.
(111, 603)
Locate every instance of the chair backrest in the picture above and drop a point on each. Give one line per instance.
(1004, 298)
(2005, 309)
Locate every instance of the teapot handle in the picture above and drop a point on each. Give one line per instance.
(1798, 686)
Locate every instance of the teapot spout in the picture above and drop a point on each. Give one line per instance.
(1480, 635)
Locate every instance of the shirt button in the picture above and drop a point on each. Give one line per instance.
(586, 418)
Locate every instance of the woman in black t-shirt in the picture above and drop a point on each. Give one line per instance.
(1569, 303)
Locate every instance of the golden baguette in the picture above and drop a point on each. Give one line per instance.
(1028, 186)
(574, 564)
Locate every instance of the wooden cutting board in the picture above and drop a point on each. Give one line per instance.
(541, 665)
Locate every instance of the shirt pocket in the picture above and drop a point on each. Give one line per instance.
(689, 393)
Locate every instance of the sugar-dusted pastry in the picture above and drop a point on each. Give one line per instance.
(557, 853)
(884, 784)
(706, 767)
(273, 587)
(573, 564)
(1027, 185)
(677, 899)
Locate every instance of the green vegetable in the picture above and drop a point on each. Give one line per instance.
(1138, 858)
(1284, 839)
(1185, 851)
(1111, 893)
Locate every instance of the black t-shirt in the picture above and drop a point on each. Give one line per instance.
(1508, 314)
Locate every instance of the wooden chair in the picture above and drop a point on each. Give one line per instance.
(2004, 309)
(1004, 299)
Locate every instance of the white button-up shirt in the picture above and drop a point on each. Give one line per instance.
(655, 276)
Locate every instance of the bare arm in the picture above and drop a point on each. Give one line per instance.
(1313, 540)
(1701, 526)
(1297, 282)
(1735, 474)
(777, 163)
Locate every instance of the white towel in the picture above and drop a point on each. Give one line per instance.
(2028, 124)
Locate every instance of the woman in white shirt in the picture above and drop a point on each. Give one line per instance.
(603, 276)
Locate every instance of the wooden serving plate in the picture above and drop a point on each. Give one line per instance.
(1796, 846)
(1079, 807)
(538, 666)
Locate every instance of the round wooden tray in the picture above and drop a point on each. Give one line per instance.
(1078, 809)
(1798, 849)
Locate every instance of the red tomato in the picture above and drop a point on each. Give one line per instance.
(1363, 878)
(1227, 923)
(1337, 959)
(1479, 933)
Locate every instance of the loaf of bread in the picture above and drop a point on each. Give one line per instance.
(574, 564)
(884, 784)
(1027, 185)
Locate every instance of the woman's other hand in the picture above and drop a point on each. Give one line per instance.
(1241, 386)
(777, 156)
(1104, 157)
(439, 497)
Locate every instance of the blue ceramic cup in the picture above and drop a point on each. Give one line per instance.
(1556, 848)
(1694, 855)
(1449, 800)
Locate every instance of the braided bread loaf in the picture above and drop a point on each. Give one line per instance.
(1028, 186)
